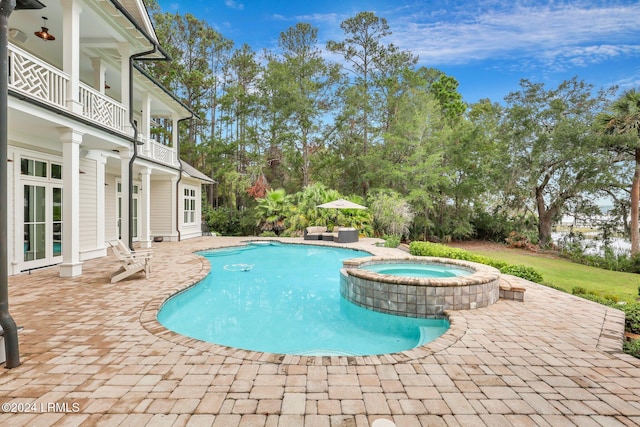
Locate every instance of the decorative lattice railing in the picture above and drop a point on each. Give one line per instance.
(102, 109)
(35, 78)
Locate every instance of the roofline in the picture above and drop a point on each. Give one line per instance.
(142, 31)
(165, 90)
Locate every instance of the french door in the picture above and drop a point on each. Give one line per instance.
(136, 209)
(42, 222)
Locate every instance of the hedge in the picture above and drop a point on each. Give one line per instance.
(443, 251)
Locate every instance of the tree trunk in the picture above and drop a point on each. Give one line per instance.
(305, 158)
(545, 220)
(635, 197)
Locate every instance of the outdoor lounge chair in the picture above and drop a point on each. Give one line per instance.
(131, 262)
(345, 234)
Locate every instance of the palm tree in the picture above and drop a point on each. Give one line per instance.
(623, 118)
(272, 210)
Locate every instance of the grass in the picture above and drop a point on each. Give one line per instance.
(566, 275)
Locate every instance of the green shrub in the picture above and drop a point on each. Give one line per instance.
(577, 290)
(634, 266)
(632, 347)
(523, 272)
(437, 250)
(608, 261)
(552, 286)
(592, 296)
(230, 222)
(391, 241)
(632, 317)
(492, 262)
(442, 251)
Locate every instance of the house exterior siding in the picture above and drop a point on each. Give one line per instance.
(161, 201)
(70, 142)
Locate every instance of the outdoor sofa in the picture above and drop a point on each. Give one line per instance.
(314, 233)
(339, 234)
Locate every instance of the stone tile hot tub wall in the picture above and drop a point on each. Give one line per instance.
(418, 297)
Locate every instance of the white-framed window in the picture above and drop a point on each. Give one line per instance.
(189, 205)
(40, 169)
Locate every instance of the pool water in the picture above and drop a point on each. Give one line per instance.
(281, 298)
(417, 270)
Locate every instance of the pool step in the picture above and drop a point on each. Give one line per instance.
(510, 290)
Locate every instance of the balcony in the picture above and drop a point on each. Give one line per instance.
(158, 152)
(39, 80)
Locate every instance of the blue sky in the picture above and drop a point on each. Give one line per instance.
(487, 45)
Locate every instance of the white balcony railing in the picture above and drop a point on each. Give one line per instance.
(102, 109)
(162, 153)
(37, 79)
(33, 77)
(154, 150)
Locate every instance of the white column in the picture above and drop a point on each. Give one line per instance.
(175, 198)
(174, 139)
(71, 51)
(100, 198)
(71, 265)
(145, 208)
(125, 156)
(99, 78)
(124, 50)
(145, 126)
(101, 161)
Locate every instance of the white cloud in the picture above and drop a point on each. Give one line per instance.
(232, 4)
(552, 34)
(631, 82)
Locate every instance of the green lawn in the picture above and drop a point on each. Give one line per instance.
(567, 275)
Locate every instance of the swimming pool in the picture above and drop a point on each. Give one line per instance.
(406, 269)
(418, 286)
(282, 298)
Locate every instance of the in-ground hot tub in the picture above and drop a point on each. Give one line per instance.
(418, 286)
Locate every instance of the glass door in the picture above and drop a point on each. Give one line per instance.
(35, 223)
(56, 236)
(42, 224)
(136, 208)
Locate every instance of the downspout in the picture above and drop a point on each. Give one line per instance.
(135, 138)
(179, 177)
(178, 194)
(132, 58)
(9, 328)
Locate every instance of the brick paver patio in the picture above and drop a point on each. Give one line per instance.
(93, 354)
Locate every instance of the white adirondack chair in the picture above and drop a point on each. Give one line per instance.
(131, 262)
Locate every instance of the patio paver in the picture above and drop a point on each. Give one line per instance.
(92, 353)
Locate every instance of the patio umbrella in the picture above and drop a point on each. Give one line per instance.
(341, 204)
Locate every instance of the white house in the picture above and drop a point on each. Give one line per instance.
(93, 140)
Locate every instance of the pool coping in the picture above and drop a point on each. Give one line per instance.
(149, 321)
(419, 297)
